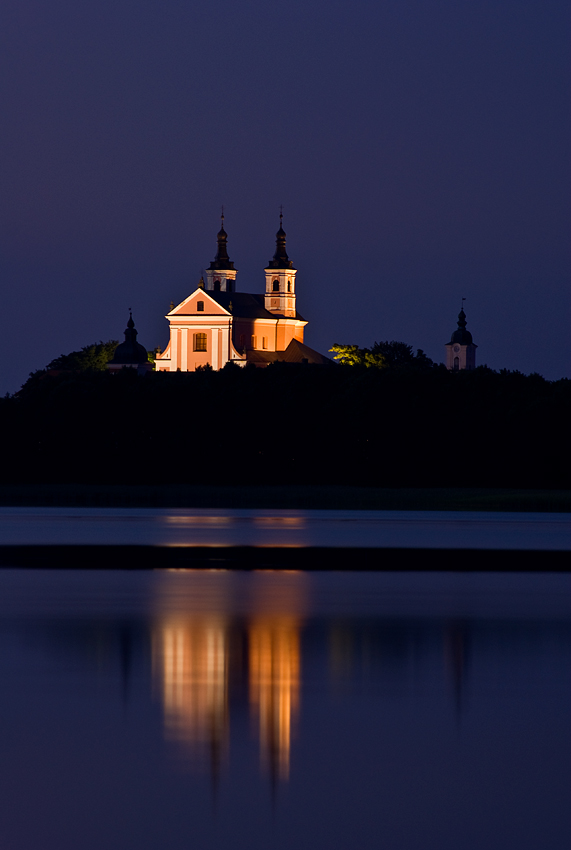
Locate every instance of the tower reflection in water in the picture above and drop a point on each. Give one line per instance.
(274, 665)
(203, 620)
(192, 657)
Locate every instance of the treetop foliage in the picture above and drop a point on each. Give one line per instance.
(383, 355)
(90, 358)
(94, 357)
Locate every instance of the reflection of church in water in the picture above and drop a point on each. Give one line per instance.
(207, 657)
(191, 665)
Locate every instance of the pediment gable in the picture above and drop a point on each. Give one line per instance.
(188, 306)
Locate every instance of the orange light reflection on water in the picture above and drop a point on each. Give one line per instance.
(197, 613)
(190, 659)
(274, 667)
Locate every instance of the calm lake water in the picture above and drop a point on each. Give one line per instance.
(293, 528)
(261, 710)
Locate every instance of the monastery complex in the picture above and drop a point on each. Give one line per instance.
(216, 324)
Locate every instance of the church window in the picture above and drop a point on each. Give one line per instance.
(276, 286)
(216, 286)
(456, 364)
(289, 286)
(264, 342)
(253, 341)
(200, 342)
(200, 306)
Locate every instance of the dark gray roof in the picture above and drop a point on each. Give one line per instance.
(244, 305)
(296, 352)
(130, 352)
(461, 336)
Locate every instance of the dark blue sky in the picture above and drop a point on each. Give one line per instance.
(420, 150)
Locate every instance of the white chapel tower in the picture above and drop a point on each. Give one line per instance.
(280, 279)
(461, 351)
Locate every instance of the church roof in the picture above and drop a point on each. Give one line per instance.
(245, 306)
(461, 336)
(296, 352)
(130, 352)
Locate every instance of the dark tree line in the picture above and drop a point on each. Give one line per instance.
(291, 424)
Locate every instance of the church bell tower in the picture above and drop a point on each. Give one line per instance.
(221, 276)
(280, 280)
(461, 351)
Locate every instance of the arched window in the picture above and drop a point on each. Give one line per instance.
(216, 286)
(200, 342)
(200, 306)
(289, 286)
(456, 364)
(276, 286)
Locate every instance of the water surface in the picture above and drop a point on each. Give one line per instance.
(284, 528)
(277, 710)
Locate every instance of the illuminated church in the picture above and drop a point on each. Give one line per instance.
(216, 324)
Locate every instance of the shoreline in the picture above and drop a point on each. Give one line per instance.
(282, 558)
(313, 496)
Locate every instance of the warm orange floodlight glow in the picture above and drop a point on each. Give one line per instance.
(274, 658)
(190, 660)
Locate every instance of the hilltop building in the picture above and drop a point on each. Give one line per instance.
(461, 351)
(216, 324)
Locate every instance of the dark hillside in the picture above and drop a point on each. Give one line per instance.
(291, 425)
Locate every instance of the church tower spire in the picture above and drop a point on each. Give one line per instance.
(221, 275)
(280, 278)
(281, 259)
(461, 350)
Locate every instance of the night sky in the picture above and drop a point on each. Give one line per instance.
(420, 151)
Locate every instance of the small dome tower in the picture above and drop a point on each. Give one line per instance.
(130, 354)
(461, 351)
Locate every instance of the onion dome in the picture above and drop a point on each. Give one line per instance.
(281, 259)
(222, 261)
(462, 336)
(130, 352)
